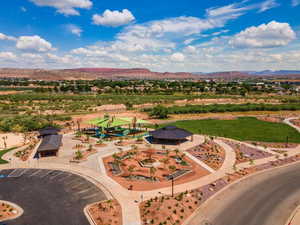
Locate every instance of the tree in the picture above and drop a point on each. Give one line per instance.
(159, 112)
(172, 168)
(131, 169)
(165, 161)
(152, 171)
(78, 155)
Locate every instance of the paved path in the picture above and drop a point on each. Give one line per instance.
(288, 122)
(267, 198)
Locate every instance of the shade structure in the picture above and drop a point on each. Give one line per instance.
(108, 122)
(170, 133)
(135, 120)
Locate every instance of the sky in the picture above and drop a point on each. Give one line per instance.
(161, 35)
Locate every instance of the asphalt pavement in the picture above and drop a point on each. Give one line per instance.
(268, 198)
(48, 197)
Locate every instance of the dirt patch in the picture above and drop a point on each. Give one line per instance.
(158, 165)
(273, 119)
(9, 140)
(107, 212)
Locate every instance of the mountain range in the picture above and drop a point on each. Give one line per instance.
(138, 73)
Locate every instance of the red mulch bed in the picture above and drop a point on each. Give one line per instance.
(6, 211)
(210, 153)
(107, 212)
(162, 169)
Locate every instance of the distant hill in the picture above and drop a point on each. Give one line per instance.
(275, 72)
(137, 73)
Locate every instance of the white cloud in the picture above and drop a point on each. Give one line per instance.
(113, 18)
(23, 9)
(7, 56)
(190, 49)
(6, 37)
(273, 34)
(66, 7)
(33, 43)
(227, 10)
(74, 29)
(177, 57)
(268, 4)
(295, 3)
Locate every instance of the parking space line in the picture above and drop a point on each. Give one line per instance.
(77, 185)
(11, 172)
(74, 181)
(46, 174)
(36, 172)
(90, 196)
(56, 175)
(63, 178)
(17, 173)
(83, 191)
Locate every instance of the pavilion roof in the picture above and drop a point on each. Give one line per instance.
(170, 133)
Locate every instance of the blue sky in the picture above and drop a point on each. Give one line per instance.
(190, 35)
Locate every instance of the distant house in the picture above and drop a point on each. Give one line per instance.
(51, 142)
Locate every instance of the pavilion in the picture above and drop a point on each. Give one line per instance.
(51, 141)
(170, 135)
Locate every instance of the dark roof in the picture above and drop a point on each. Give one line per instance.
(48, 131)
(170, 133)
(50, 143)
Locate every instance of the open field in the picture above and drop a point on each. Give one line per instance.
(243, 129)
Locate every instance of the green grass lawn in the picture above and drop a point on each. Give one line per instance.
(243, 129)
(2, 152)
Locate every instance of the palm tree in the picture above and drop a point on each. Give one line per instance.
(176, 151)
(152, 171)
(131, 169)
(165, 161)
(172, 168)
(78, 155)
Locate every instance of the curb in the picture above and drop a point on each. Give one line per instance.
(18, 208)
(88, 215)
(290, 220)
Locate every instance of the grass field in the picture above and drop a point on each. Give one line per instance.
(2, 152)
(243, 129)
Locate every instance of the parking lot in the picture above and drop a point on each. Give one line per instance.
(48, 197)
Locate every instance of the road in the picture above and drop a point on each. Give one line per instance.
(48, 197)
(268, 198)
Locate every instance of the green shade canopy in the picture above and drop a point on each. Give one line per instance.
(108, 122)
(133, 119)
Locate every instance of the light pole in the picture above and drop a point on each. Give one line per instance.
(287, 141)
(172, 179)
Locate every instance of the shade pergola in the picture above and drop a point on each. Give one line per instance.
(134, 120)
(170, 134)
(108, 122)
